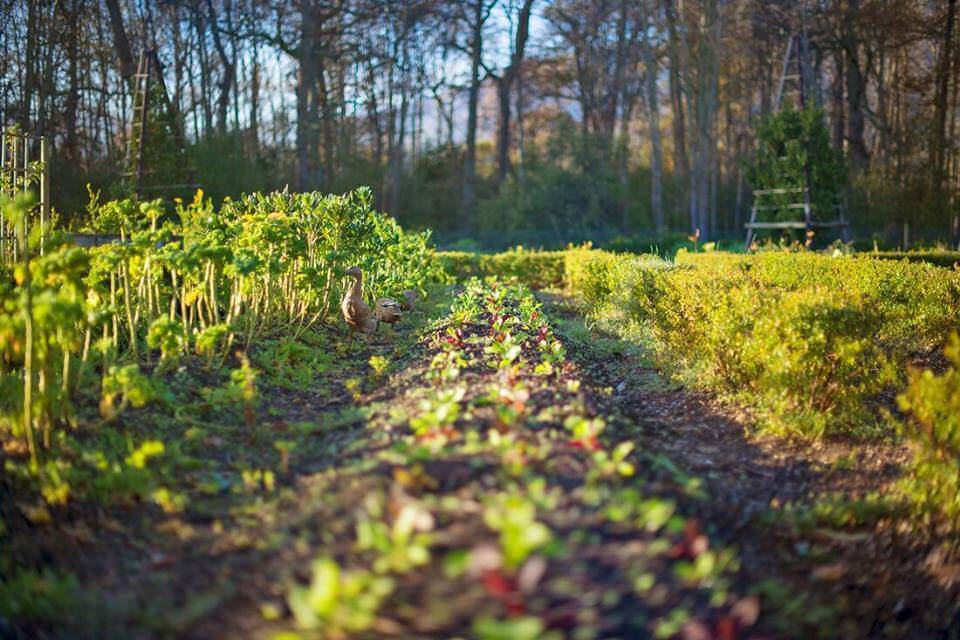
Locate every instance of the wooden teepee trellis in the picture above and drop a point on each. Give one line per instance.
(147, 76)
(794, 86)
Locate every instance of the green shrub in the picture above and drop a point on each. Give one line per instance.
(536, 269)
(794, 151)
(932, 403)
(811, 339)
(946, 259)
(36, 596)
(595, 275)
(919, 304)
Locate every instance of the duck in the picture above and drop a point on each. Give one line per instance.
(409, 300)
(387, 310)
(356, 312)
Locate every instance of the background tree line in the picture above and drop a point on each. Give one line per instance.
(542, 120)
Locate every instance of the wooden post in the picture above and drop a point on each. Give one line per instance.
(3, 173)
(906, 236)
(15, 140)
(44, 189)
(24, 190)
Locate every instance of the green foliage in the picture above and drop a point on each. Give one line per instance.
(514, 517)
(37, 596)
(168, 335)
(947, 259)
(788, 143)
(338, 601)
(932, 403)
(228, 169)
(108, 467)
(127, 386)
(594, 274)
(291, 364)
(522, 628)
(196, 278)
(571, 185)
(400, 545)
(43, 312)
(264, 263)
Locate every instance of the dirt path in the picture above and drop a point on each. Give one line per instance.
(828, 575)
(488, 501)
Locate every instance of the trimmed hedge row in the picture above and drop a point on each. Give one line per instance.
(538, 269)
(812, 340)
(946, 259)
(917, 303)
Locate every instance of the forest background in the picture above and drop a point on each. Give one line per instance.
(495, 122)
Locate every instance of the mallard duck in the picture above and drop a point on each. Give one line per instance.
(409, 300)
(356, 312)
(387, 310)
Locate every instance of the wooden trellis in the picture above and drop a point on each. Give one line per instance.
(149, 75)
(794, 78)
(24, 166)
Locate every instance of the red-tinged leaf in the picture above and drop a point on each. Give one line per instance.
(695, 630)
(698, 545)
(515, 606)
(746, 611)
(726, 629)
(691, 529)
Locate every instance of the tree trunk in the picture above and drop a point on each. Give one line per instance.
(229, 71)
(676, 95)
(120, 41)
(255, 99)
(396, 162)
(470, 159)
(856, 91)
(204, 60)
(30, 65)
(521, 139)
(839, 122)
(705, 109)
(71, 145)
(504, 89)
(328, 122)
(656, 158)
(938, 147)
(307, 101)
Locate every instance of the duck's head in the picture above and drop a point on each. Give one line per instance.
(353, 272)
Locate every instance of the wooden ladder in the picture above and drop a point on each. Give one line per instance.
(138, 128)
(148, 73)
(792, 85)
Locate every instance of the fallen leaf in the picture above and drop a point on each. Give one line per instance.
(829, 572)
(35, 513)
(842, 536)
